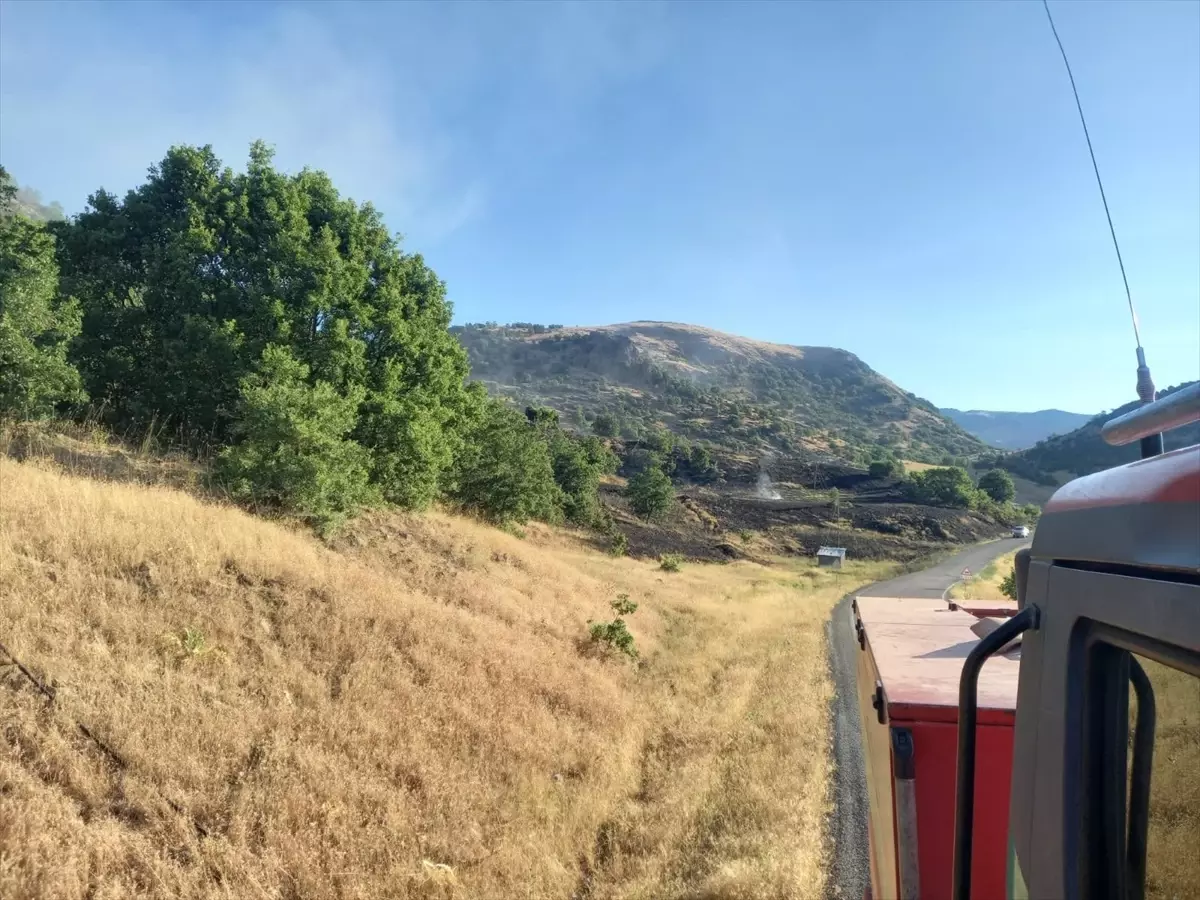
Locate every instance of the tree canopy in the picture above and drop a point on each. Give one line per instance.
(650, 492)
(998, 485)
(186, 281)
(37, 323)
(261, 318)
(942, 487)
(292, 450)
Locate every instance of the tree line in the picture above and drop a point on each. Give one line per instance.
(261, 320)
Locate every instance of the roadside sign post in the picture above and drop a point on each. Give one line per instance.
(966, 574)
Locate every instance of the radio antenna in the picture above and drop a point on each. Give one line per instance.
(1151, 446)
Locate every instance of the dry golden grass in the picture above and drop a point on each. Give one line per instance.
(406, 713)
(911, 465)
(1172, 869)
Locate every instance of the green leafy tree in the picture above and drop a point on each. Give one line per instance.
(505, 469)
(605, 426)
(193, 274)
(942, 487)
(291, 450)
(998, 485)
(541, 416)
(700, 463)
(650, 493)
(660, 441)
(36, 323)
(578, 466)
(886, 468)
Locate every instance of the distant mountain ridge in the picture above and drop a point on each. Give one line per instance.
(1015, 430)
(1084, 451)
(742, 395)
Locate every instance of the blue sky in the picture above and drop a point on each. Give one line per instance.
(906, 181)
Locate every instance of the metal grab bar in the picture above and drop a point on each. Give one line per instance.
(1179, 408)
(968, 707)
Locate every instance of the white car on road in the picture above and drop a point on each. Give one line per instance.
(1020, 531)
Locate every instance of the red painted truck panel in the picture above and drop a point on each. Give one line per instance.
(1172, 477)
(936, 746)
(915, 650)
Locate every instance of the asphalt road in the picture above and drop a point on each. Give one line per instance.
(851, 866)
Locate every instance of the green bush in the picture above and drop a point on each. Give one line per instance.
(660, 441)
(942, 487)
(1008, 586)
(291, 451)
(411, 449)
(650, 493)
(700, 464)
(670, 562)
(615, 635)
(605, 426)
(578, 466)
(542, 416)
(886, 468)
(505, 471)
(619, 545)
(998, 485)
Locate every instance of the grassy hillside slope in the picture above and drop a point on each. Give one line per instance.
(742, 395)
(242, 711)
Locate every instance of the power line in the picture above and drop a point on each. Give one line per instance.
(1095, 168)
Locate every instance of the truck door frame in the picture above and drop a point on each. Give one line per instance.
(1054, 831)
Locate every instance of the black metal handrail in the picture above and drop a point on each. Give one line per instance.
(1139, 782)
(968, 708)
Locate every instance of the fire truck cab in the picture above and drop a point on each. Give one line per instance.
(1050, 748)
(1105, 798)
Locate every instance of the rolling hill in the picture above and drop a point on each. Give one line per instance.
(740, 395)
(1015, 430)
(1084, 451)
(212, 705)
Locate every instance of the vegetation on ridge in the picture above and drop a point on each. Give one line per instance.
(735, 393)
